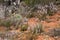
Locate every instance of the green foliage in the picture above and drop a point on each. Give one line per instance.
(15, 17)
(31, 2)
(5, 23)
(34, 2)
(30, 15)
(24, 27)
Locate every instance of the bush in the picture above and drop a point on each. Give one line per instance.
(5, 23)
(54, 32)
(31, 2)
(36, 30)
(24, 27)
(34, 2)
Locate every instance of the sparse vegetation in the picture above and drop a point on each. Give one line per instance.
(29, 19)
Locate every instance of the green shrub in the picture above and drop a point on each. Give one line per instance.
(5, 23)
(24, 27)
(37, 30)
(32, 2)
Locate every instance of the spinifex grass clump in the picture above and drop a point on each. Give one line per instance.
(34, 26)
(38, 29)
(57, 32)
(16, 19)
(54, 32)
(34, 2)
(31, 2)
(5, 23)
(13, 20)
(24, 27)
(49, 11)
